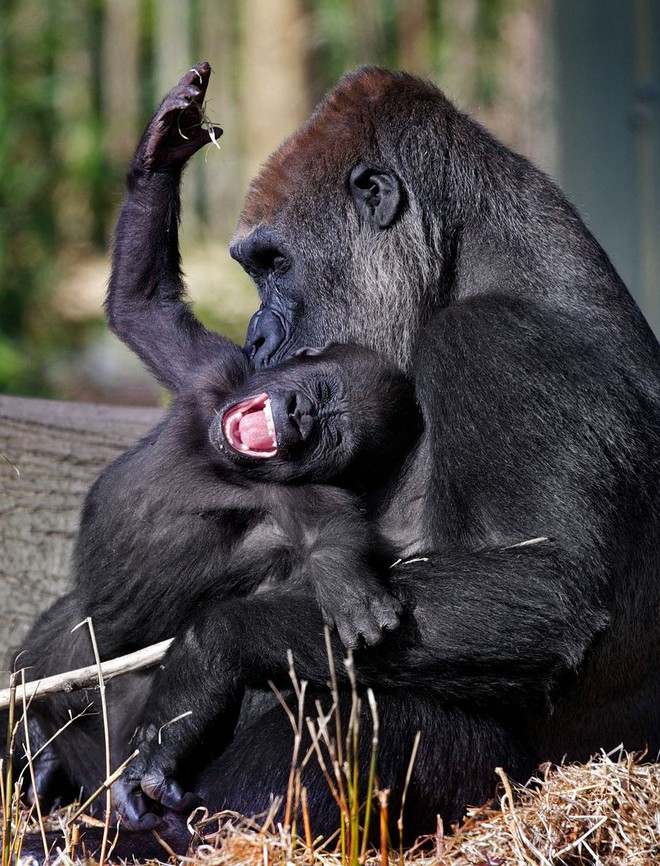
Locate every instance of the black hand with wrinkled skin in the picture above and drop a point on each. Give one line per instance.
(148, 780)
(176, 131)
(362, 614)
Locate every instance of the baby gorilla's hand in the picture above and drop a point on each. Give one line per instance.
(176, 131)
(147, 784)
(360, 613)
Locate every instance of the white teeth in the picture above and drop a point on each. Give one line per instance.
(270, 424)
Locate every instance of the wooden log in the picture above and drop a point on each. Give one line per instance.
(50, 452)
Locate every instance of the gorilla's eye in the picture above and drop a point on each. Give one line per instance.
(336, 436)
(323, 391)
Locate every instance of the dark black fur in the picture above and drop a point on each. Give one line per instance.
(185, 521)
(394, 221)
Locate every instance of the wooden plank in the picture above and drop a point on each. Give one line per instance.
(50, 452)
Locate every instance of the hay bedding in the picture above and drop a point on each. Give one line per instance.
(604, 813)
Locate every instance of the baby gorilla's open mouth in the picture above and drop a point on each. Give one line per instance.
(249, 427)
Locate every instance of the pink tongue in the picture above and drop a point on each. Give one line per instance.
(254, 432)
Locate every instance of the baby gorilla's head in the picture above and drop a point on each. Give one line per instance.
(342, 413)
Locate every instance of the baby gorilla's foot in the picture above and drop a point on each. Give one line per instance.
(363, 618)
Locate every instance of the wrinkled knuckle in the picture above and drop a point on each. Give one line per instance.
(154, 784)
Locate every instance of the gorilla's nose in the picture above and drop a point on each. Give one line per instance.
(265, 335)
(299, 412)
(292, 414)
(304, 422)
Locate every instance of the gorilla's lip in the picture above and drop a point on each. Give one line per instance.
(249, 428)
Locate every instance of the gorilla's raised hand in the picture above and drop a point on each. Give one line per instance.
(177, 129)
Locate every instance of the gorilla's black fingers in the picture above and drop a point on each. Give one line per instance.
(199, 75)
(367, 619)
(372, 634)
(387, 611)
(129, 800)
(133, 807)
(348, 634)
(177, 130)
(170, 794)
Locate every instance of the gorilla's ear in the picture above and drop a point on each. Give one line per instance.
(377, 195)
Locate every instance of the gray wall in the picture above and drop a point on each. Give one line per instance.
(607, 55)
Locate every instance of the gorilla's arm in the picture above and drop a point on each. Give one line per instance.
(341, 556)
(526, 637)
(145, 303)
(481, 627)
(488, 617)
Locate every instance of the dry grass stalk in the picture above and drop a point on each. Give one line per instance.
(106, 734)
(30, 764)
(603, 813)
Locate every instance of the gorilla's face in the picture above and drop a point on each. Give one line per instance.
(335, 230)
(319, 416)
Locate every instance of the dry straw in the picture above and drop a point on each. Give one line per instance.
(603, 813)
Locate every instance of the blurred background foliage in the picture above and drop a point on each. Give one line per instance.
(572, 85)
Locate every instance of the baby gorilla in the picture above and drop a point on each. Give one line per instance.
(249, 485)
(246, 486)
(253, 479)
(239, 488)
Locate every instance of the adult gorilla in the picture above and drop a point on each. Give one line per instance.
(393, 220)
(530, 509)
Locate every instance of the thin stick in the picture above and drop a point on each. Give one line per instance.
(411, 764)
(335, 693)
(15, 468)
(297, 735)
(309, 840)
(75, 838)
(439, 840)
(82, 678)
(372, 774)
(30, 761)
(383, 797)
(70, 721)
(9, 771)
(106, 734)
(518, 837)
(319, 756)
(105, 785)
